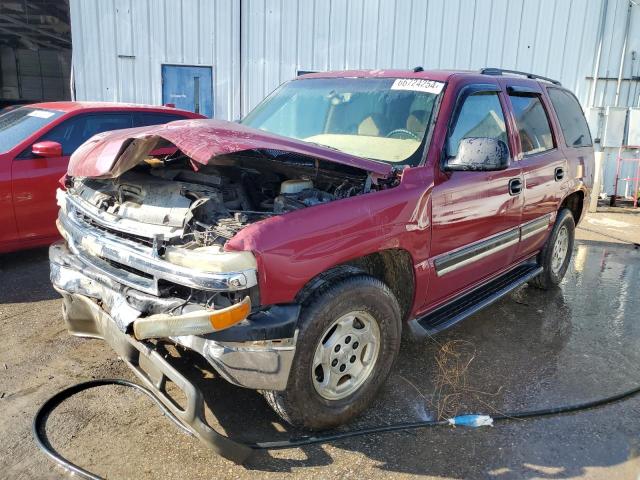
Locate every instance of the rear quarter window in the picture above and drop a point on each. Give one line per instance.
(572, 122)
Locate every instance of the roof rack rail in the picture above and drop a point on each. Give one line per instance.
(502, 71)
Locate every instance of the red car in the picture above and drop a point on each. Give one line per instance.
(36, 142)
(290, 251)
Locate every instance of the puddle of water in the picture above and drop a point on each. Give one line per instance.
(536, 348)
(608, 222)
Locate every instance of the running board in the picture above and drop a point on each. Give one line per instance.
(469, 303)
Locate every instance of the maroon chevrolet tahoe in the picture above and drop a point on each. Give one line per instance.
(292, 249)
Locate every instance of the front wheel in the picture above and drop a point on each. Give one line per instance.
(556, 253)
(348, 339)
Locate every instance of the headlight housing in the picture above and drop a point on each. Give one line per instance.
(211, 259)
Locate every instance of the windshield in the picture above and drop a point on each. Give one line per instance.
(18, 124)
(378, 118)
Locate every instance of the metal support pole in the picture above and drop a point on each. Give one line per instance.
(597, 181)
(624, 52)
(596, 68)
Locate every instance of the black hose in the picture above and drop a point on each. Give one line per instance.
(39, 421)
(310, 440)
(569, 408)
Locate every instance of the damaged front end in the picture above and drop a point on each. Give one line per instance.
(147, 297)
(146, 217)
(150, 252)
(145, 226)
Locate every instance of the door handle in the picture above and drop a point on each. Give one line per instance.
(515, 186)
(558, 174)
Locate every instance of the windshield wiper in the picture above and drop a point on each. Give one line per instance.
(346, 153)
(325, 146)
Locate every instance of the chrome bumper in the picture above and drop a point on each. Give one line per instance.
(97, 248)
(153, 370)
(257, 364)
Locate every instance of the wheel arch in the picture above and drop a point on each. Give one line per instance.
(393, 267)
(575, 203)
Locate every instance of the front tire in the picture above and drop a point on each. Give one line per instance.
(556, 253)
(348, 339)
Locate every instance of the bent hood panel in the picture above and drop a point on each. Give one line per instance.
(110, 154)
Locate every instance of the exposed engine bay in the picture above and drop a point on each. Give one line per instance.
(183, 214)
(209, 206)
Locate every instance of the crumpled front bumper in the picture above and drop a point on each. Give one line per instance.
(153, 371)
(257, 353)
(249, 354)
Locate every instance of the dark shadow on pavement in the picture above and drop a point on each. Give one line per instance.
(29, 273)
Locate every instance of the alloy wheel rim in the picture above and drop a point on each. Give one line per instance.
(345, 355)
(560, 250)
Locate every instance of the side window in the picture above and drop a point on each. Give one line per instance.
(533, 124)
(572, 122)
(480, 116)
(146, 119)
(77, 130)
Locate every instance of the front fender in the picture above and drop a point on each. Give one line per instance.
(293, 248)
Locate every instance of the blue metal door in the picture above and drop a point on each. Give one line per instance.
(189, 88)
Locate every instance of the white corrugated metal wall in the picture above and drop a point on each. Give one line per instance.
(555, 38)
(120, 45)
(254, 45)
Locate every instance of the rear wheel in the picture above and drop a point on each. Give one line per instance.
(348, 339)
(556, 253)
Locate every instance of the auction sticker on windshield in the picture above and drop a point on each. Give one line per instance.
(41, 114)
(417, 85)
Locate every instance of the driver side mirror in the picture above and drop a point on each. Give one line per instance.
(47, 149)
(480, 154)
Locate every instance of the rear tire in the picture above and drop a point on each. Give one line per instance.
(556, 253)
(348, 340)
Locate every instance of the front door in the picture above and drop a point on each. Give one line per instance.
(188, 88)
(8, 231)
(476, 214)
(36, 179)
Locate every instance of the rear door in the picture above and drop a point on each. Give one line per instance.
(543, 163)
(576, 139)
(475, 214)
(35, 179)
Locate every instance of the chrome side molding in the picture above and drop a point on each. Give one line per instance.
(450, 261)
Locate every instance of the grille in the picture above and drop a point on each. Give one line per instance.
(127, 268)
(126, 236)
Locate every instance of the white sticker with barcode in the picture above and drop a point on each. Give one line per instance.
(41, 114)
(417, 85)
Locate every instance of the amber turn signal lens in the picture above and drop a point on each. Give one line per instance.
(199, 322)
(229, 316)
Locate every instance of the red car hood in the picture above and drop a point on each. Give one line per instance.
(110, 154)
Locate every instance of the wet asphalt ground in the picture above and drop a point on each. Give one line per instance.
(530, 350)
